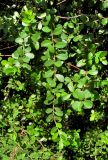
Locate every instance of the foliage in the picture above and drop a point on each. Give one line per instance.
(54, 83)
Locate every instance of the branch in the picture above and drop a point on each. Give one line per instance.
(6, 55)
(75, 67)
(70, 17)
(8, 47)
(41, 143)
(61, 2)
(62, 17)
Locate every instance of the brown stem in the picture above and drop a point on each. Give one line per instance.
(6, 55)
(75, 67)
(61, 2)
(41, 144)
(62, 17)
(8, 47)
(70, 17)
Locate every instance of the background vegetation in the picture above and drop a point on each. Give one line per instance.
(54, 80)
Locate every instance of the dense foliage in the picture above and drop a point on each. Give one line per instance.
(54, 80)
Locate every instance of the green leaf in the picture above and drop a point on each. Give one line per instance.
(60, 144)
(55, 136)
(82, 82)
(40, 25)
(77, 38)
(23, 34)
(100, 56)
(65, 96)
(51, 82)
(1, 117)
(93, 72)
(35, 37)
(60, 45)
(26, 59)
(81, 63)
(49, 118)
(19, 40)
(58, 30)
(30, 55)
(105, 62)
(77, 105)
(42, 15)
(62, 56)
(36, 45)
(48, 74)
(46, 43)
(70, 25)
(10, 70)
(51, 48)
(90, 56)
(105, 4)
(46, 29)
(27, 66)
(60, 77)
(71, 87)
(88, 104)
(78, 94)
(4, 63)
(53, 130)
(67, 79)
(76, 77)
(50, 96)
(58, 63)
(87, 93)
(49, 110)
(104, 21)
(60, 85)
(48, 63)
(17, 63)
(58, 111)
(28, 49)
(58, 125)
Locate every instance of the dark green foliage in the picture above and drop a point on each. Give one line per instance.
(54, 80)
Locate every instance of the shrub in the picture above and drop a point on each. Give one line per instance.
(54, 83)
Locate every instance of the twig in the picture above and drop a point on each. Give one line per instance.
(69, 64)
(8, 55)
(61, 2)
(14, 153)
(41, 143)
(70, 17)
(8, 47)
(62, 17)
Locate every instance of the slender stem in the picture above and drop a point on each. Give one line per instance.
(62, 17)
(61, 2)
(8, 47)
(75, 67)
(41, 144)
(54, 79)
(6, 55)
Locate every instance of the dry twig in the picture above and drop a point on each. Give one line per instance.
(61, 2)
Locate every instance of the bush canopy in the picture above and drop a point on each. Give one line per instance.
(54, 80)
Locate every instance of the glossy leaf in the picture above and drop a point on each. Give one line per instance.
(88, 104)
(30, 55)
(48, 74)
(60, 45)
(49, 110)
(46, 29)
(60, 77)
(62, 56)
